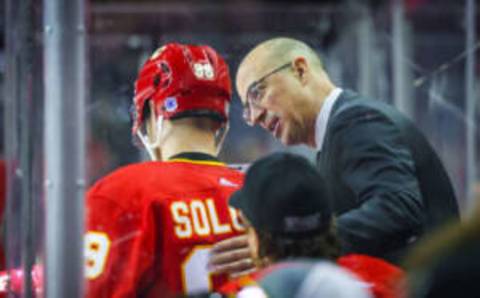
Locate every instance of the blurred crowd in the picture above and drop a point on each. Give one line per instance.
(443, 264)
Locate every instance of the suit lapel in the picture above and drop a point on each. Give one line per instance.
(339, 105)
(345, 97)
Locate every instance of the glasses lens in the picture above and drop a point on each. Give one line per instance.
(254, 94)
(247, 114)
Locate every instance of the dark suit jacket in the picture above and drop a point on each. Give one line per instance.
(387, 183)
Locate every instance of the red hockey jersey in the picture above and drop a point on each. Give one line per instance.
(383, 278)
(150, 227)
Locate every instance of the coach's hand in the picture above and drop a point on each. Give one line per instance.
(234, 256)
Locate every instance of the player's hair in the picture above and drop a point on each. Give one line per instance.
(204, 122)
(276, 248)
(200, 122)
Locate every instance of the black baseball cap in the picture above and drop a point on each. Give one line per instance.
(285, 195)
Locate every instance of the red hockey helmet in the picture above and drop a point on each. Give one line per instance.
(183, 81)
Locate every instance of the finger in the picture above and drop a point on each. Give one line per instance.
(235, 267)
(229, 256)
(243, 273)
(231, 243)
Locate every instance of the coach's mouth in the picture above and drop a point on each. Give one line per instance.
(272, 124)
(274, 127)
(277, 131)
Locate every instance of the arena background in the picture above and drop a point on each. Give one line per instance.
(418, 55)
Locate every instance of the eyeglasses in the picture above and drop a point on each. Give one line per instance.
(254, 94)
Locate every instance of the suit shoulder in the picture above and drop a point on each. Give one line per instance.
(361, 104)
(360, 109)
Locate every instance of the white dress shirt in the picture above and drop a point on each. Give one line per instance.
(324, 115)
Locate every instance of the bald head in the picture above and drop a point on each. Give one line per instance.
(273, 52)
(282, 85)
(286, 49)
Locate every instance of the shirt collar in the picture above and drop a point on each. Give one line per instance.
(324, 115)
(197, 156)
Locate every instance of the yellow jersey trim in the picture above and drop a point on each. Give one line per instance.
(198, 162)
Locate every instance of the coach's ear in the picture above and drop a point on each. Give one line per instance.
(150, 119)
(301, 69)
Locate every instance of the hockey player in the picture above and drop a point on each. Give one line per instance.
(150, 225)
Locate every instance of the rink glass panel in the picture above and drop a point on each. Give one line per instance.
(374, 50)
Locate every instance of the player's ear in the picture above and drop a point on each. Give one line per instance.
(150, 118)
(152, 114)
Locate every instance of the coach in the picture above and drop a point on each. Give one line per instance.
(388, 184)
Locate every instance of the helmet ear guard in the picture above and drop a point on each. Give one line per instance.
(142, 138)
(152, 145)
(220, 136)
(181, 81)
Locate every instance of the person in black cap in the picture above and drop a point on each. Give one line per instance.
(287, 210)
(285, 201)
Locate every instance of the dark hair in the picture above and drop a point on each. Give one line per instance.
(277, 248)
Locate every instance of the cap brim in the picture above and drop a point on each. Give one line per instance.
(237, 200)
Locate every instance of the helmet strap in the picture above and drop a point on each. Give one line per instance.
(157, 141)
(146, 144)
(220, 135)
(152, 145)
